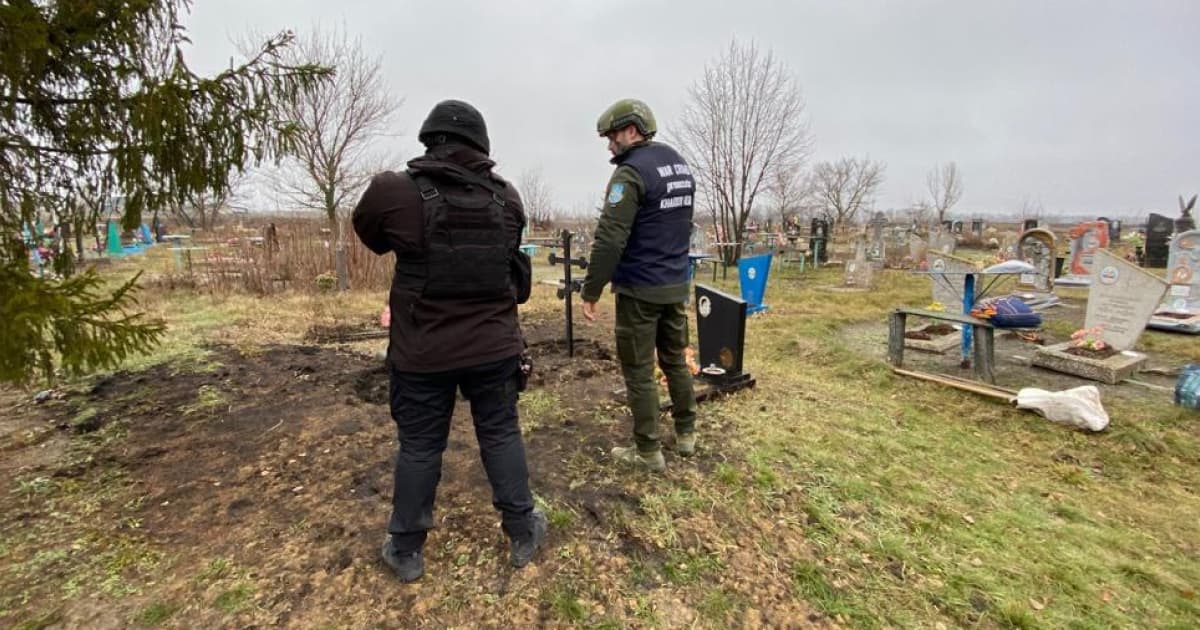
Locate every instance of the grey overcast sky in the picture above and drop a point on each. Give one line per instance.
(1089, 107)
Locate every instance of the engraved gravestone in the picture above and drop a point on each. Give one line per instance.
(947, 271)
(1087, 240)
(1036, 247)
(721, 328)
(876, 247)
(1122, 298)
(1180, 308)
(818, 240)
(860, 274)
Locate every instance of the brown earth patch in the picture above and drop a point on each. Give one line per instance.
(278, 462)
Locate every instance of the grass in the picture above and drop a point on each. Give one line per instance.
(234, 599)
(869, 498)
(155, 613)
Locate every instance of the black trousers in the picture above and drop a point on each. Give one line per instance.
(422, 404)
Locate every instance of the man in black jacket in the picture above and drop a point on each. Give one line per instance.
(455, 228)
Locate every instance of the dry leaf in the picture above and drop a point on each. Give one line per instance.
(1037, 605)
(968, 518)
(1106, 596)
(976, 562)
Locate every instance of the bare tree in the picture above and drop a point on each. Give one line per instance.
(333, 157)
(920, 213)
(945, 186)
(537, 198)
(789, 192)
(202, 209)
(844, 187)
(744, 121)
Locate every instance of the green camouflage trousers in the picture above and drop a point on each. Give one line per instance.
(642, 328)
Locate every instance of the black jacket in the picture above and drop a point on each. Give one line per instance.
(429, 335)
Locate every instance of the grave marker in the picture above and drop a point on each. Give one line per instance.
(1180, 308)
(1121, 299)
(721, 329)
(876, 250)
(568, 285)
(946, 273)
(916, 249)
(752, 277)
(1158, 233)
(1036, 247)
(859, 274)
(1087, 240)
(818, 240)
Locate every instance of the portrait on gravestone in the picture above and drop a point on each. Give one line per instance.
(721, 328)
(1087, 239)
(1180, 308)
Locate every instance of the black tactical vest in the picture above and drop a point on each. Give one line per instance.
(656, 253)
(466, 250)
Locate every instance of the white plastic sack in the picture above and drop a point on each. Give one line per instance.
(1079, 407)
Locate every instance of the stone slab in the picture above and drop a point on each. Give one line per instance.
(1122, 299)
(1162, 321)
(1111, 370)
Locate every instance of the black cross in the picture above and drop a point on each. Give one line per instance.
(567, 285)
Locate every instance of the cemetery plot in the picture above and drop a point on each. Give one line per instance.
(1121, 300)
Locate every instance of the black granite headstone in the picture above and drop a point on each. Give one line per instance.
(1158, 236)
(1029, 225)
(818, 240)
(957, 227)
(721, 327)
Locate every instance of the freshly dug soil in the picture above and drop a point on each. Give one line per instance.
(1108, 351)
(930, 331)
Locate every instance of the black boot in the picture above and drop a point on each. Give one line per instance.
(407, 566)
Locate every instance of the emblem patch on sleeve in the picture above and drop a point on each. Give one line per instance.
(616, 192)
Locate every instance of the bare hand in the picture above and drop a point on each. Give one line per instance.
(589, 311)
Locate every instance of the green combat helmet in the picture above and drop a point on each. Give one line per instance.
(627, 111)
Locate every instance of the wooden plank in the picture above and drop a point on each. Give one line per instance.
(896, 338)
(977, 388)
